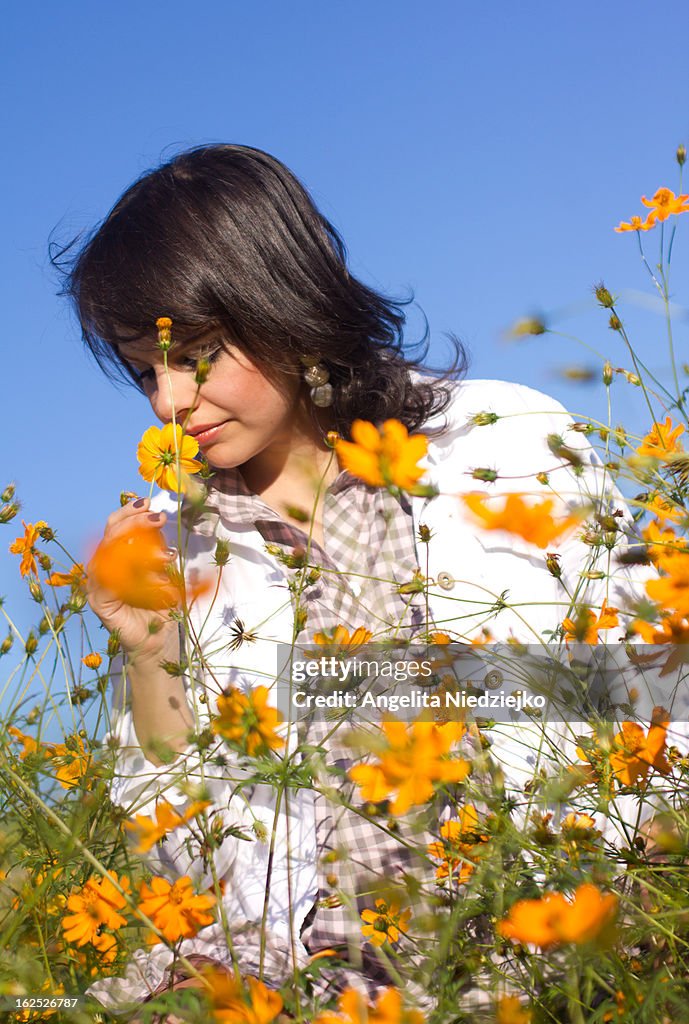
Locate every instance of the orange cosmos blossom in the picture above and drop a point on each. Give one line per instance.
(71, 762)
(553, 920)
(341, 637)
(354, 1008)
(460, 845)
(672, 629)
(664, 202)
(585, 626)
(29, 744)
(175, 909)
(671, 592)
(634, 753)
(166, 456)
(385, 923)
(96, 905)
(383, 458)
(534, 522)
(636, 224)
(148, 831)
(26, 546)
(662, 440)
(92, 660)
(76, 577)
(248, 721)
(509, 1010)
(240, 1002)
(135, 568)
(415, 757)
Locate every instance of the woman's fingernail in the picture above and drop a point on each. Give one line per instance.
(154, 516)
(172, 553)
(139, 503)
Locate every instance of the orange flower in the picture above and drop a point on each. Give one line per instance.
(672, 629)
(460, 845)
(416, 756)
(95, 906)
(248, 722)
(341, 637)
(133, 566)
(76, 577)
(664, 546)
(534, 522)
(662, 440)
(633, 753)
(232, 1004)
(175, 909)
(383, 458)
(671, 592)
(553, 920)
(92, 660)
(166, 456)
(637, 224)
(660, 507)
(71, 762)
(29, 744)
(584, 628)
(26, 547)
(664, 203)
(385, 923)
(167, 819)
(510, 1011)
(354, 1008)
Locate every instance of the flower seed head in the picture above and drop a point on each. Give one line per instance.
(603, 295)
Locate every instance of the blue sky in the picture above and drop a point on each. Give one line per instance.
(477, 153)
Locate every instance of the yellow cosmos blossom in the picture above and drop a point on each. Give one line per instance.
(636, 224)
(71, 762)
(166, 456)
(26, 547)
(383, 458)
(533, 522)
(585, 627)
(92, 660)
(174, 908)
(662, 440)
(510, 1010)
(385, 923)
(240, 1002)
(664, 202)
(460, 846)
(149, 832)
(553, 920)
(415, 757)
(96, 905)
(354, 1008)
(248, 721)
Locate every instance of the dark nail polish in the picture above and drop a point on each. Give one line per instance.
(154, 517)
(139, 503)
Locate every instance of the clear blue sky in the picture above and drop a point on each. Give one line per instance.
(477, 153)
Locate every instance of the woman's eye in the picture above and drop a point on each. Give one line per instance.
(191, 362)
(141, 376)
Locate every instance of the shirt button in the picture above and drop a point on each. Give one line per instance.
(445, 581)
(493, 679)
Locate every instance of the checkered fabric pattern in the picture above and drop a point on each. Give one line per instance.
(369, 550)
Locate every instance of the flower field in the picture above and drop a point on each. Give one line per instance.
(562, 899)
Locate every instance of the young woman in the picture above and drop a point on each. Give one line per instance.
(274, 346)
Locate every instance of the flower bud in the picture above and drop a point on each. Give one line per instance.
(552, 562)
(331, 438)
(92, 660)
(8, 493)
(113, 646)
(482, 473)
(31, 645)
(164, 324)
(681, 154)
(484, 419)
(603, 296)
(9, 511)
(528, 326)
(614, 323)
(424, 533)
(77, 601)
(203, 368)
(36, 591)
(582, 428)
(607, 373)
(222, 552)
(6, 644)
(126, 497)
(542, 478)
(632, 378)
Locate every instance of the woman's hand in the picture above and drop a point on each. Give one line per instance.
(146, 633)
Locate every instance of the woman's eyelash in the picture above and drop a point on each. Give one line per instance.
(210, 355)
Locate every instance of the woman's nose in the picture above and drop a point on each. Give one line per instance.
(172, 392)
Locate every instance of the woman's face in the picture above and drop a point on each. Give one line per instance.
(235, 415)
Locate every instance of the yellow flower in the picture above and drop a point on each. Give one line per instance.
(460, 845)
(416, 756)
(664, 203)
(385, 923)
(637, 224)
(95, 906)
(92, 660)
(71, 762)
(231, 1003)
(509, 1010)
(533, 522)
(175, 909)
(149, 832)
(553, 920)
(248, 721)
(166, 456)
(26, 547)
(584, 628)
(661, 440)
(383, 458)
(354, 1008)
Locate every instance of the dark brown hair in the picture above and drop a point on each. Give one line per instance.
(226, 236)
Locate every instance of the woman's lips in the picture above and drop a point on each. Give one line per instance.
(208, 434)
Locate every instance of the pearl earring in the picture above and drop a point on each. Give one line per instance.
(317, 377)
